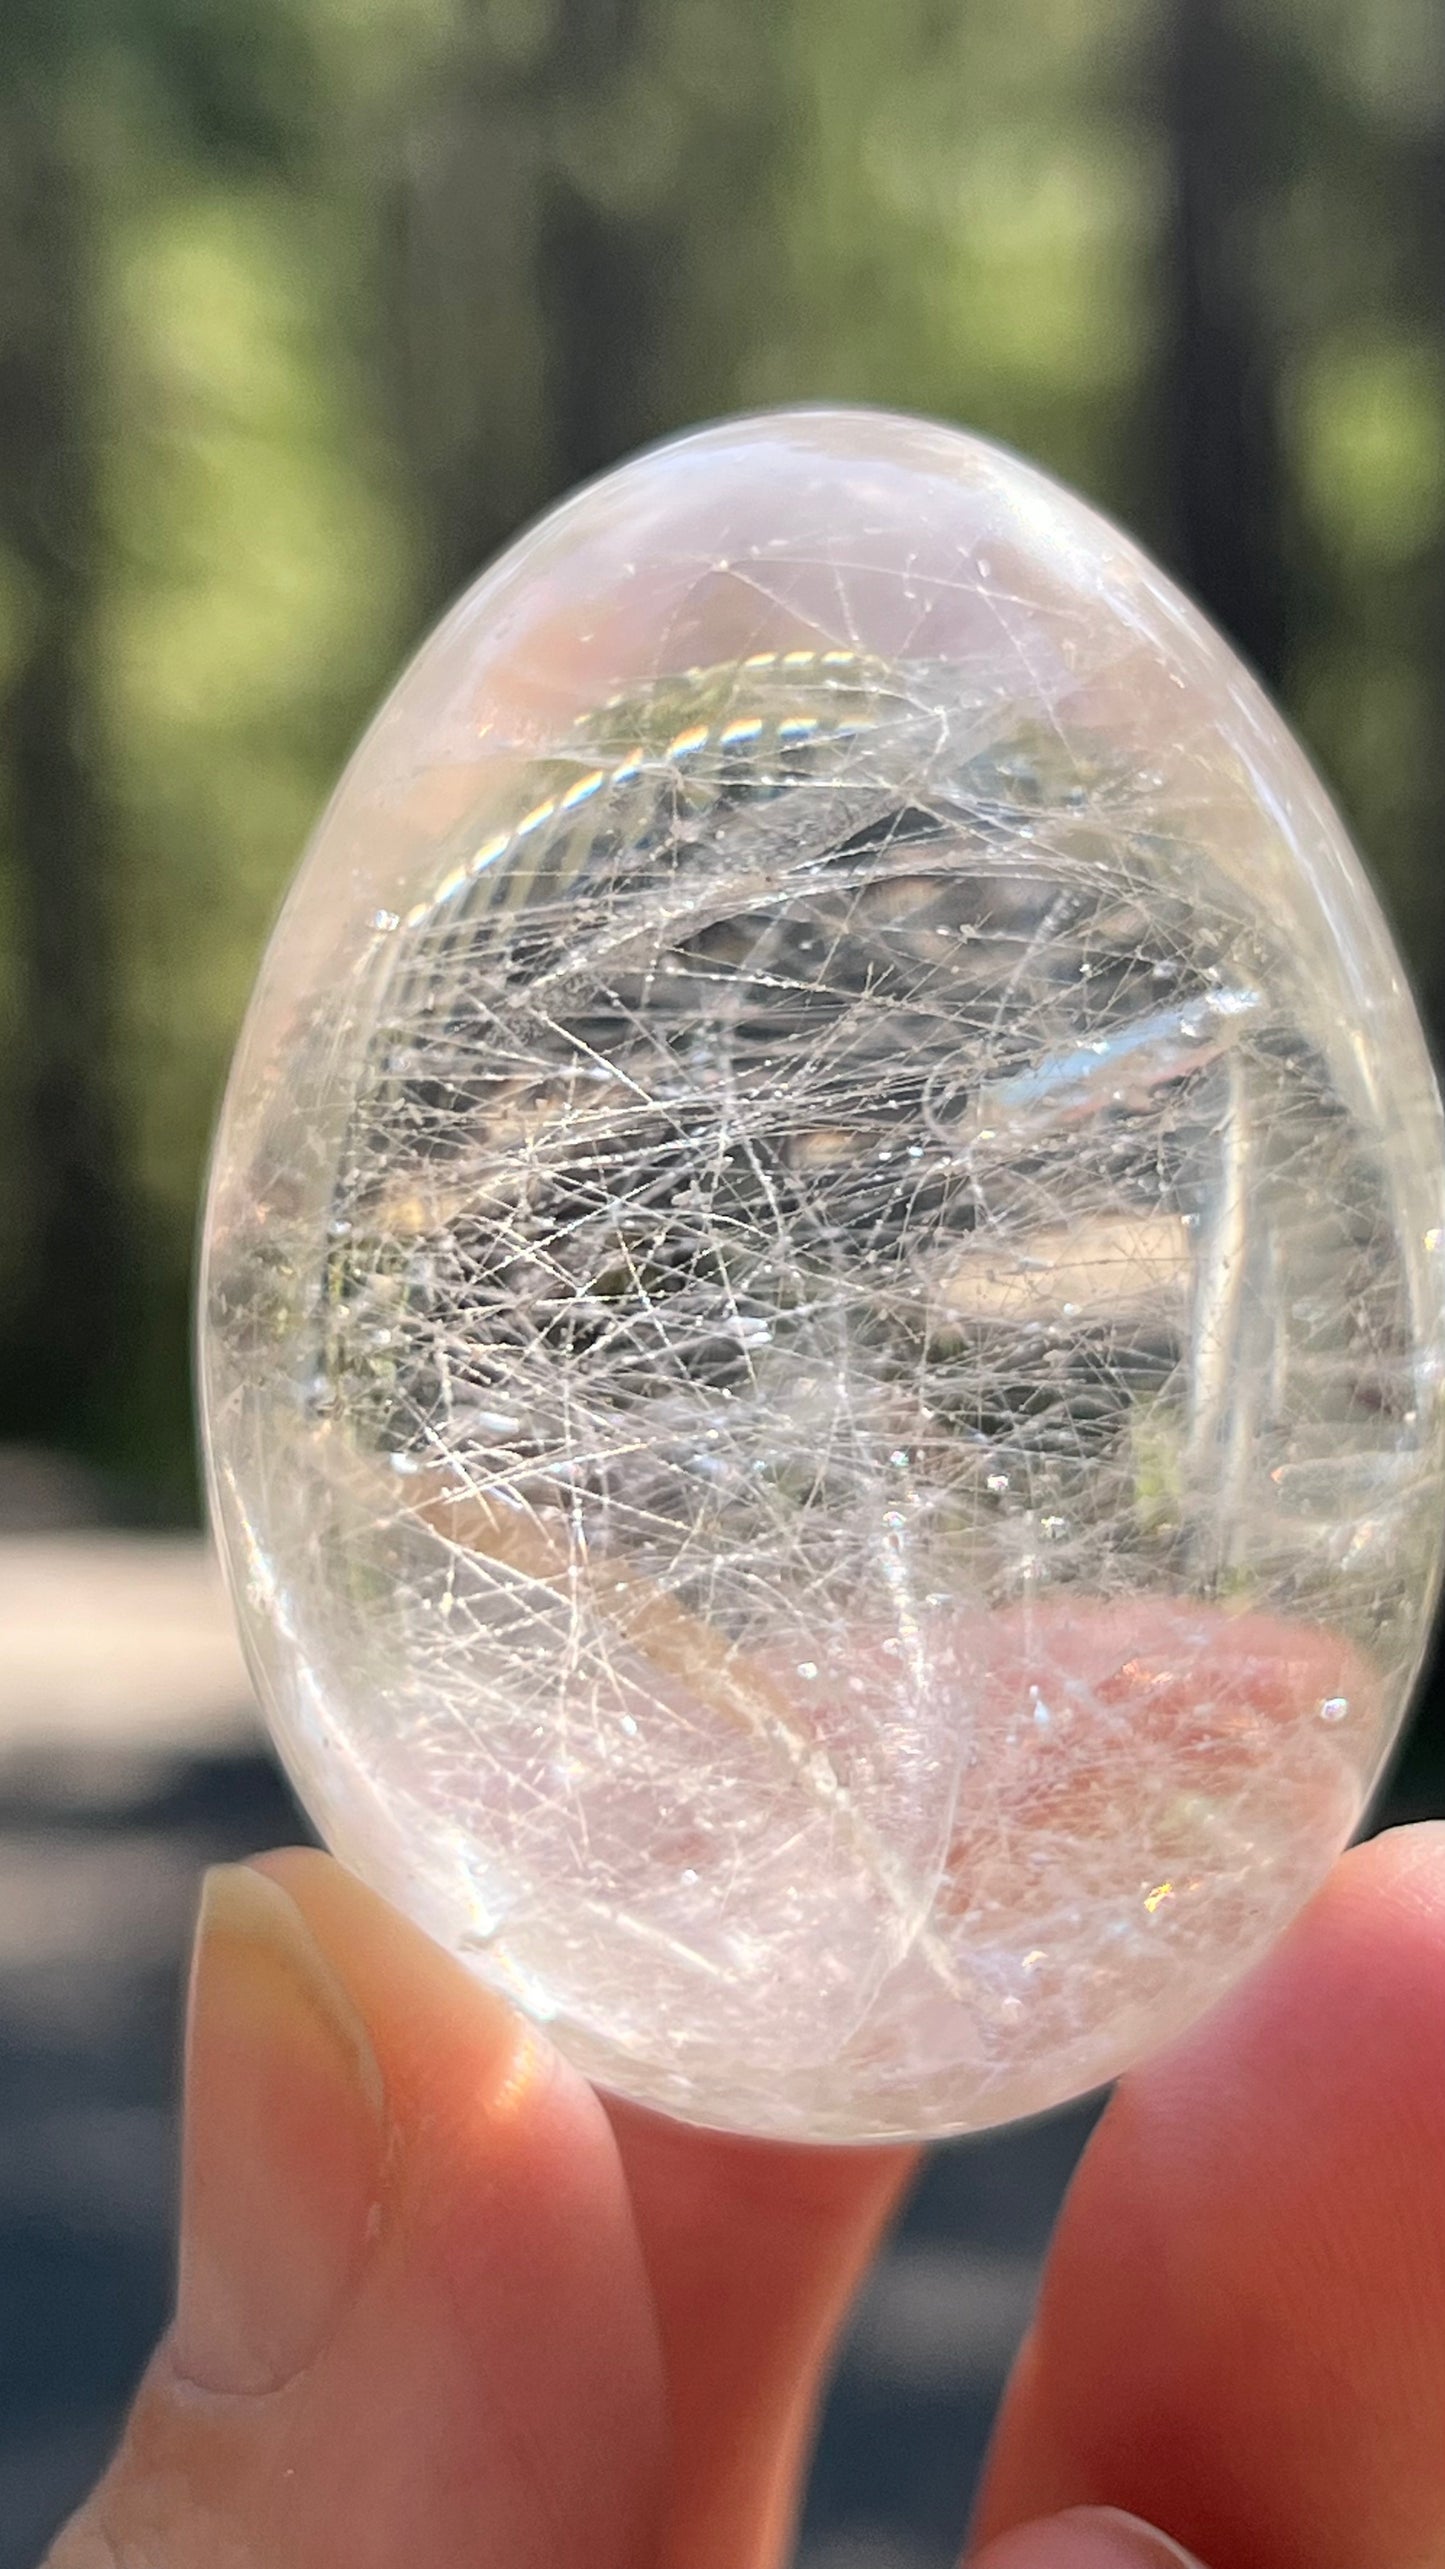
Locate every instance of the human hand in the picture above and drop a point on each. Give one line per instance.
(440, 2307)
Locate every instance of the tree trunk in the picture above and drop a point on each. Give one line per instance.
(62, 1340)
(526, 306)
(1224, 494)
(603, 267)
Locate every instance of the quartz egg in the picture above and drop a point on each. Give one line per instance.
(822, 1312)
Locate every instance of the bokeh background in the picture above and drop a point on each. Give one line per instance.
(304, 306)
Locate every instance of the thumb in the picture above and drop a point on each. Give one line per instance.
(411, 2320)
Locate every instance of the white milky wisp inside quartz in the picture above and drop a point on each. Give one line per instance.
(823, 1313)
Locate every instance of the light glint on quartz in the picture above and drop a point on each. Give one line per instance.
(822, 1314)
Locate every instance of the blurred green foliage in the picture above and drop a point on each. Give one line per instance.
(306, 304)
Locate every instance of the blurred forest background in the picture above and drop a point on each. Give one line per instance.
(306, 304)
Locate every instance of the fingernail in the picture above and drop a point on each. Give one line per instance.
(1086, 2538)
(284, 2143)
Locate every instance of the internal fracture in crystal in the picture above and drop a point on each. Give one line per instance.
(823, 1310)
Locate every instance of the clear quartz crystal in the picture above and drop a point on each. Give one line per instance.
(822, 1321)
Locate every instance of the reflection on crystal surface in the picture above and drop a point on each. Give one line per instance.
(823, 1315)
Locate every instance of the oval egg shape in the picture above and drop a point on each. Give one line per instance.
(822, 1312)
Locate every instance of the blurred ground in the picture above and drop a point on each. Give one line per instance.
(129, 1759)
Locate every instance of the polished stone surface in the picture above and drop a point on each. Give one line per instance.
(823, 1318)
